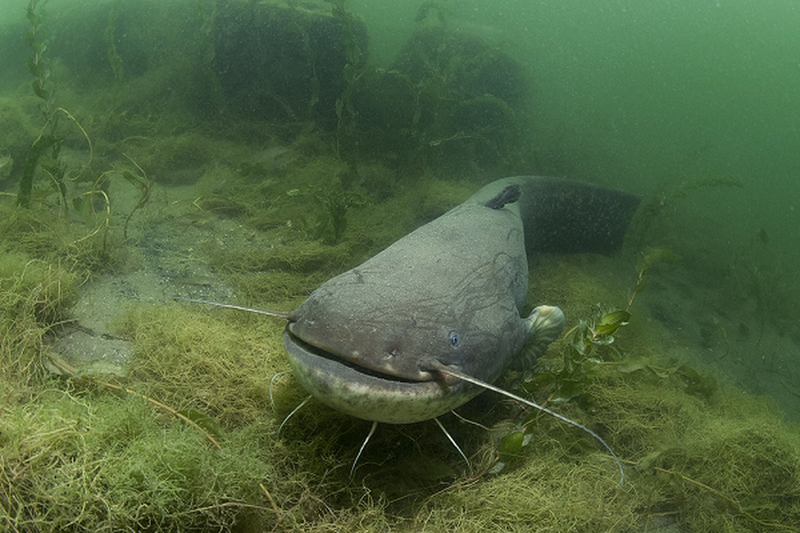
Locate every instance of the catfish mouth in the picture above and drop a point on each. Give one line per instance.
(368, 394)
(315, 351)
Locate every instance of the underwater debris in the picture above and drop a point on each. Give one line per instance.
(449, 101)
(256, 51)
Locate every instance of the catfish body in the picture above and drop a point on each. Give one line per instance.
(368, 342)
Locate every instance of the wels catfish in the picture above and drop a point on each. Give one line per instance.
(434, 319)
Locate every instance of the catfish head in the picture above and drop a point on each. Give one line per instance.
(393, 328)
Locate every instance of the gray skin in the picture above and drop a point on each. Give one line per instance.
(370, 341)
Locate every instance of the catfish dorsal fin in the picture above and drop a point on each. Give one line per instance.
(436, 366)
(509, 195)
(279, 314)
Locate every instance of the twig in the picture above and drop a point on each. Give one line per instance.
(64, 366)
(281, 514)
(221, 505)
(167, 408)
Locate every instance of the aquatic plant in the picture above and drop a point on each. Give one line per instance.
(34, 297)
(353, 70)
(36, 64)
(587, 344)
(48, 138)
(207, 12)
(42, 143)
(138, 179)
(50, 462)
(462, 99)
(651, 257)
(584, 349)
(329, 222)
(110, 37)
(41, 86)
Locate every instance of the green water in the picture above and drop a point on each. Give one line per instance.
(222, 186)
(635, 92)
(648, 91)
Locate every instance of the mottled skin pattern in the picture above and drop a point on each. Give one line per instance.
(450, 292)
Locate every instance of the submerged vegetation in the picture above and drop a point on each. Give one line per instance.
(713, 458)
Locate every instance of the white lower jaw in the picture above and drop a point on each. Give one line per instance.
(371, 397)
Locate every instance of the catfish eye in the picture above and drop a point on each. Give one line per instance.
(454, 339)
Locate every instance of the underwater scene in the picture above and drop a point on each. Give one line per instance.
(158, 157)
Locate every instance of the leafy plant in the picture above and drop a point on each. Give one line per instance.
(509, 445)
(41, 71)
(49, 138)
(42, 88)
(650, 258)
(586, 348)
(352, 72)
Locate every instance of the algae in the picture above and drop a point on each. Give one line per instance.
(193, 360)
(126, 468)
(34, 297)
(708, 456)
